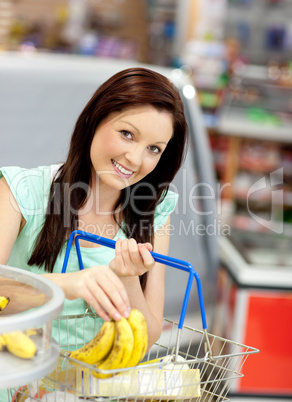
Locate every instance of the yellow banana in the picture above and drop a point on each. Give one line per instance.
(121, 351)
(3, 302)
(99, 347)
(33, 332)
(20, 344)
(2, 342)
(139, 328)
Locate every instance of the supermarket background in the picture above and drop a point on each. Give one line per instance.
(238, 55)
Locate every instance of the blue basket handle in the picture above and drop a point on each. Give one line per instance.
(163, 259)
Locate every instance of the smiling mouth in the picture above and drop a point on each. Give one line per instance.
(121, 169)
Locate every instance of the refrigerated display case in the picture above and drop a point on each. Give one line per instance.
(255, 306)
(252, 148)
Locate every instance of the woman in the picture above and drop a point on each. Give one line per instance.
(127, 146)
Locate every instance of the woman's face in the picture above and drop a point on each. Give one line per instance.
(127, 145)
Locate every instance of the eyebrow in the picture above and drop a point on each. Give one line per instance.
(124, 121)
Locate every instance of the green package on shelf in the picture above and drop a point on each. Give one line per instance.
(259, 115)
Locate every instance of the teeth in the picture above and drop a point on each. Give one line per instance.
(121, 169)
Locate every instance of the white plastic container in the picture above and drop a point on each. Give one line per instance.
(46, 304)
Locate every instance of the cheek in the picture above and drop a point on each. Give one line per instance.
(103, 144)
(150, 164)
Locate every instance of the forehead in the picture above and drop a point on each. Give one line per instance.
(134, 112)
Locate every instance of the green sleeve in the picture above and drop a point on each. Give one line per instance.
(29, 189)
(164, 209)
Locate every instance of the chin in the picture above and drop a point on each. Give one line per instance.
(118, 184)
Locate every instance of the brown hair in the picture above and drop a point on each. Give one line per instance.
(131, 87)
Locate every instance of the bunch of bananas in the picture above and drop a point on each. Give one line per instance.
(19, 344)
(3, 302)
(118, 344)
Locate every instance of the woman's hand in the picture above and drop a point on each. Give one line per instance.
(131, 259)
(99, 287)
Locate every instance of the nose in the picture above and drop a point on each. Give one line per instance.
(134, 156)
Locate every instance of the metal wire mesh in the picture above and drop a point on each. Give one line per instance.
(196, 372)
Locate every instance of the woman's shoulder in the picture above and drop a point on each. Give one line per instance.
(17, 173)
(39, 175)
(29, 186)
(165, 208)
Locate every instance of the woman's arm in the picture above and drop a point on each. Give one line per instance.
(11, 221)
(99, 286)
(151, 301)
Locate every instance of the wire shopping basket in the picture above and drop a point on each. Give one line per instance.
(203, 369)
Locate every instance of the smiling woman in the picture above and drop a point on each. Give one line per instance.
(127, 145)
(132, 143)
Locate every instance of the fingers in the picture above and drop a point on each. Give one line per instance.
(106, 307)
(132, 258)
(105, 293)
(120, 298)
(119, 260)
(128, 261)
(148, 246)
(146, 256)
(91, 300)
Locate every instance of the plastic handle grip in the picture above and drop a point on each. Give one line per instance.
(163, 259)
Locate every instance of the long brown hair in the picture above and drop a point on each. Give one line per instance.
(128, 88)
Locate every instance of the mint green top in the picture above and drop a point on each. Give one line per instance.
(30, 188)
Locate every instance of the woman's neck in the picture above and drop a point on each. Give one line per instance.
(102, 198)
(98, 214)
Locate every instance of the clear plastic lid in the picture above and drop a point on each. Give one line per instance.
(34, 300)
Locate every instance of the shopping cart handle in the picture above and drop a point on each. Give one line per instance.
(163, 259)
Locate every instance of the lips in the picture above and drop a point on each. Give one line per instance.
(121, 169)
